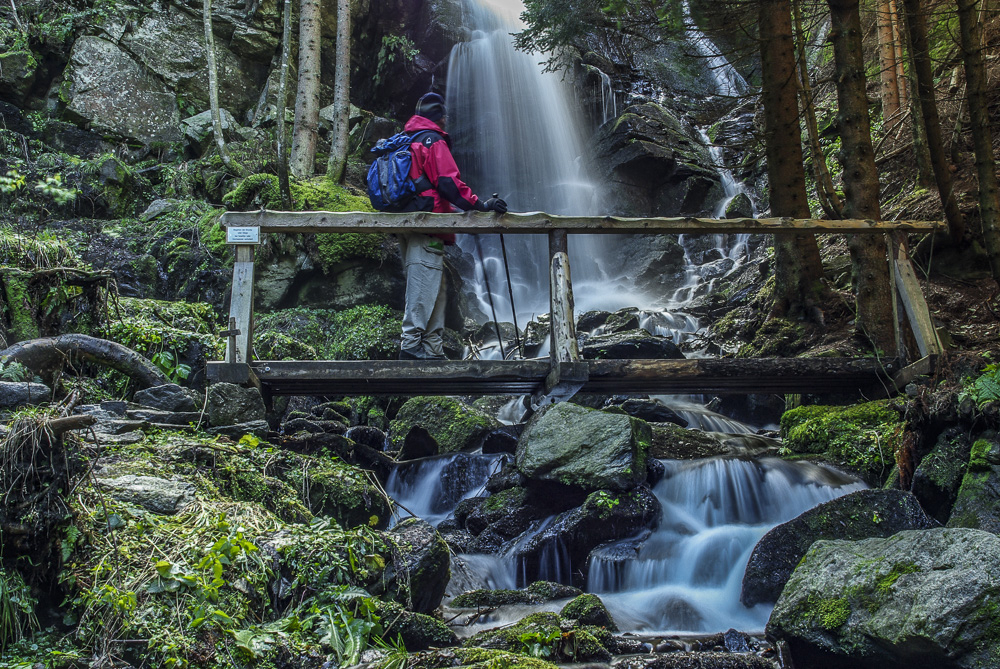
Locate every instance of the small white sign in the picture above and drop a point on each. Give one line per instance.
(247, 235)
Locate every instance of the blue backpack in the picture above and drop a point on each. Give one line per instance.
(390, 187)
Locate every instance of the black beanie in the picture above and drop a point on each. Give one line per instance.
(431, 107)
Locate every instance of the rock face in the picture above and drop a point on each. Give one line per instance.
(107, 90)
(19, 393)
(452, 424)
(168, 397)
(858, 515)
(629, 345)
(939, 475)
(151, 493)
(978, 502)
(657, 165)
(229, 404)
(421, 583)
(582, 447)
(588, 609)
(917, 599)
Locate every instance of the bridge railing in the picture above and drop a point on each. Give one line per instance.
(567, 370)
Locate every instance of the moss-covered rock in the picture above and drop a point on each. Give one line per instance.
(332, 488)
(544, 634)
(588, 609)
(673, 442)
(454, 425)
(470, 658)
(977, 504)
(368, 332)
(938, 476)
(864, 436)
(417, 630)
(487, 599)
(418, 578)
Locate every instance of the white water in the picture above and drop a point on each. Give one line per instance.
(430, 488)
(728, 81)
(687, 576)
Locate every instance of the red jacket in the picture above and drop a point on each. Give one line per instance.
(432, 159)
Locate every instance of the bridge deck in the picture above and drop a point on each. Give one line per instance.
(498, 377)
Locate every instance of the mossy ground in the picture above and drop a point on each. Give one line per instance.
(367, 332)
(453, 424)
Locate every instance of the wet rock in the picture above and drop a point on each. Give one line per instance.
(977, 504)
(507, 477)
(938, 476)
(17, 74)
(107, 90)
(417, 630)
(858, 515)
(739, 207)
(164, 417)
(588, 609)
(344, 493)
(371, 437)
(919, 598)
(592, 320)
(153, 494)
(576, 446)
(229, 404)
(501, 440)
(257, 428)
(673, 442)
(622, 320)
(702, 660)
(199, 131)
(302, 425)
(549, 590)
(629, 345)
(418, 443)
(736, 641)
(582, 646)
(19, 393)
(420, 581)
(452, 424)
(168, 397)
(652, 411)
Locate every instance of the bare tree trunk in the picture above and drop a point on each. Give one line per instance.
(827, 195)
(213, 91)
(861, 189)
(897, 42)
(887, 60)
(306, 130)
(916, 22)
(281, 104)
(971, 35)
(341, 94)
(798, 267)
(45, 356)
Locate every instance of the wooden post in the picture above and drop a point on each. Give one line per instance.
(898, 311)
(912, 297)
(241, 306)
(561, 317)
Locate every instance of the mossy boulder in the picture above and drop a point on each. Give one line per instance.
(543, 633)
(630, 344)
(926, 598)
(454, 425)
(864, 436)
(470, 658)
(418, 579)
(417, 630)
(588, 609)
(586, 448)
(938, 476)
(348, 494)
(366, 332)
(673, 442)
(977, 504)
(230, 404)
(858, 515)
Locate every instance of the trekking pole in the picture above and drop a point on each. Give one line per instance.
(510, 292)
(489, 292)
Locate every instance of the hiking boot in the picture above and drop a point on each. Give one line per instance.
(415, 353)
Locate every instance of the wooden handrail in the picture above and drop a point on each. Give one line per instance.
(541, 223)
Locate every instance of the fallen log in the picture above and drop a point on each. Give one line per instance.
(46, 355)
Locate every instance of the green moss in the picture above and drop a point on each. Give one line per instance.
(542, 634)
(453, 424)
(334, 249)
(832, 613)
(342, 492)
(884, 583)
(509, 500)
(19, 305)
(150, 326)
(588, 609)
(365, 332)
(865, 435)
(970, 500)
(776, 337)
(979, 457)
(492, 598)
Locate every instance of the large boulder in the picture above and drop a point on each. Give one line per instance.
(17, 74)
(149, 492)
(657, 164)
(418, 579)
(199, 130)
(588, 609)
(168, 397)
(978, 502)
(452, 424)
(229, 404)
(590, 449)
(19, 393)
(858, 515)
(917, 599)
(545, 631)
(673, 442)
(630, 345)
(107, 90)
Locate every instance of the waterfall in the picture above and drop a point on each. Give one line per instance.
(728, 81)
(686, 577)
(430, 488)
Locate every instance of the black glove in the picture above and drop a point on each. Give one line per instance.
(495, 204)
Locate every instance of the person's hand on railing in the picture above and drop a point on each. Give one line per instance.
(493, 204)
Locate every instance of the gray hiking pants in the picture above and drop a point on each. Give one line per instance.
(423, 315)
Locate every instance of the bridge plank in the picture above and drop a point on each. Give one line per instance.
(501, 377)
(542, 223)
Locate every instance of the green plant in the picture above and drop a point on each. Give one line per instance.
(985, 388)
(52, 187)
(12, 370)
(539, 644)
(393, 47)
(169, 364)
(12, 182)
(17, 608)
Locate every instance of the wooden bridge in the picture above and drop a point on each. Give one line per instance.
(565, 373)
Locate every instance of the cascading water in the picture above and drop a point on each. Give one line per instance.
(430, 488)
(686, 577)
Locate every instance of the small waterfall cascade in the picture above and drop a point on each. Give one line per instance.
(431, 488)
(686, 577)
(728, 81)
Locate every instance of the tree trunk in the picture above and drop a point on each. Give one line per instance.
(45, 356)
(827, 195)
(798, 268)
(897, 42)
(213, 91)
(306, 130)
(861, 189)
(971, 36)
(887, 61)
(281, 104)
(341, 94)
(916, 23)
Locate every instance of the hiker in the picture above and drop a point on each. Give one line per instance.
(439, 189)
